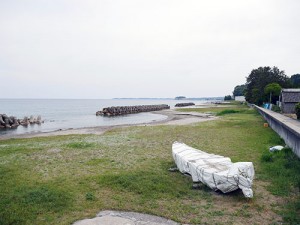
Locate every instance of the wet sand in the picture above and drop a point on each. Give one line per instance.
(173, 118)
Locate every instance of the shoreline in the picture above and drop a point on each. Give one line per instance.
(173, 118)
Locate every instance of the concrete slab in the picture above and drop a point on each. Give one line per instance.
(125, 218)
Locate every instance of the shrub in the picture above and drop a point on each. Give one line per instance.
(276, 108)
(90, 196)
(297, 109)
(227, 111)
(267, 157)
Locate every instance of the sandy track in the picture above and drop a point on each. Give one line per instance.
(173, 118)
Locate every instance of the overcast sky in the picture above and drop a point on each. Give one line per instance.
(142, 48)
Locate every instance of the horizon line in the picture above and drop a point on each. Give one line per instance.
(107, 98)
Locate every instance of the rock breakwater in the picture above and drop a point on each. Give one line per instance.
(13, 122)
(122, 110)
(184, 104)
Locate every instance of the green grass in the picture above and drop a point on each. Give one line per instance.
(283, 170)
(80, 145)
(284, 166)
(220, 110)
(58, 180)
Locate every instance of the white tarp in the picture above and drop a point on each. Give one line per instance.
(276, 148)
(216, 171)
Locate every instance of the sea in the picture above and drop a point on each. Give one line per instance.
(63, 114)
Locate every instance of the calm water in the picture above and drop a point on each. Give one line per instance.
(65, 114)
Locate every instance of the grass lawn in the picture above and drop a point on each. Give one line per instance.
(219, 110)
(58, 180)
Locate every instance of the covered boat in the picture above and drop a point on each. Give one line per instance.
(215, 171)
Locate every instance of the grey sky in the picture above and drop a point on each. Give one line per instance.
(142, 48)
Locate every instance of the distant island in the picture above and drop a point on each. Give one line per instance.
(180, 98)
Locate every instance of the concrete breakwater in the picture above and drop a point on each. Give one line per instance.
(122, 110)
(184, 104)
(13, 122)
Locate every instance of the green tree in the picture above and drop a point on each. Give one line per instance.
(297, 109)
(227, 98)
(259, 78)
(239, 90)
(273, 90)
(295, 80)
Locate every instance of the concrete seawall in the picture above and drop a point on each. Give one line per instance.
(287, 128)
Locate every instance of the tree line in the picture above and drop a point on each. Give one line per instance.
(264, 85)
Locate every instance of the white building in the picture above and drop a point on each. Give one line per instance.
(240, 98)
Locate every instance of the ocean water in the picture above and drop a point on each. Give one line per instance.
(77, 113)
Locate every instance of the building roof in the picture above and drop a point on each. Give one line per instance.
(290, 90)
(290, 95)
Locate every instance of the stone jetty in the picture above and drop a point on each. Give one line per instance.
(13, 122)
(184, 104)
(122, 110)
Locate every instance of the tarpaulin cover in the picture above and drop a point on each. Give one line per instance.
(217, 172)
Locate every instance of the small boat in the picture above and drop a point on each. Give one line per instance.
(215, 171)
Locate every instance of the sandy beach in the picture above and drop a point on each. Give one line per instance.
(173, 118)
